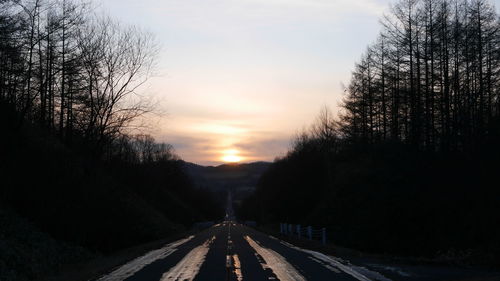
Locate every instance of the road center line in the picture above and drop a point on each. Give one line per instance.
(189, 266)
(276, 262)
(237, 267)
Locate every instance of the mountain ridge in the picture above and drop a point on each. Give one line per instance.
(241, 178)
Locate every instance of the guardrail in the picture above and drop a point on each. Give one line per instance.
(303, 232)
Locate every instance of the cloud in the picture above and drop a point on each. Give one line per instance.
(207, 148)
(264, 149)
(209, 18)
(246, 74)
(340, 6)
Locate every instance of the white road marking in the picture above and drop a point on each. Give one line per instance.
(132, 267)
(370, 273)
(329, 267)
(360, 273)
(393, 269)
(189, 266)
(276, 262)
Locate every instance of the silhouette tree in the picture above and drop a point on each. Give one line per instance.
(439, 60)
(73, 72)
(408, 166)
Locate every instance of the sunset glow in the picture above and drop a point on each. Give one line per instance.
(231, 156)
(248, 74)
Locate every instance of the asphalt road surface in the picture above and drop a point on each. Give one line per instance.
(231, 251)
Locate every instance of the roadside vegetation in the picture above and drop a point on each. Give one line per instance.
(78, 179)
(409, 166)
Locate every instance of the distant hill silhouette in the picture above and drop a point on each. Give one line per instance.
(241, 179)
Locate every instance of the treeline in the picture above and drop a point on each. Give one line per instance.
(73, 169)
(409, 165)
(71, 71)
(90, 208)
(386, 198)
(432, 78)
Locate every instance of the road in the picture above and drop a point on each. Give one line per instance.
(231, 251)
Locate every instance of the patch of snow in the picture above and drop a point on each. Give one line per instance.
(360, 273)
(132, 267)
(283, 270)
(189, 266)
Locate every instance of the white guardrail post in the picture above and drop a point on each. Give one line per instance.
(289, 229)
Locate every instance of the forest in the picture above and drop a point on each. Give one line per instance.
(409, 166)
(79, 178)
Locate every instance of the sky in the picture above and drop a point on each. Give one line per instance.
(237, 79)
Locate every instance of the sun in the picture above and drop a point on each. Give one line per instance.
(231, 156)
